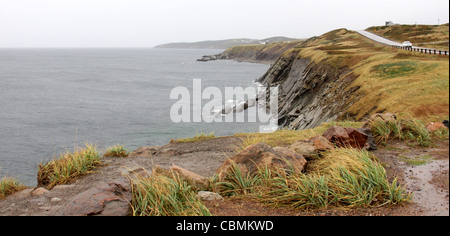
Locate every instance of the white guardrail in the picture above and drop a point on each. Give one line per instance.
(423, 50)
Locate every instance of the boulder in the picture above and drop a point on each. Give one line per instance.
(371, 145)
(387, 117)
(321, 143)
(312, 148)
(39, 192)
(110, 199)
(194, 179)
(306, 149)
(346, 137)
(261, 155)
(209, 196)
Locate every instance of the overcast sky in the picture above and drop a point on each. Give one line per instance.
(146, 23)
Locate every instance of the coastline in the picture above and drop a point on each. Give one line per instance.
(322, 86)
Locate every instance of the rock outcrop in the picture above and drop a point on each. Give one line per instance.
(309, 93)
(103, 200)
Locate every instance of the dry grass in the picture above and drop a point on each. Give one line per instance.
(197, 138)
(116, 151)
(9, 186)
(419, 35)
(165, 195)
(68, 167)
(287, 137)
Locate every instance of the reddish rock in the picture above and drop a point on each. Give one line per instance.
(321, 143)
(346, 137)
(313, 148)
(103, 200)
(432, 127)
(262, 155)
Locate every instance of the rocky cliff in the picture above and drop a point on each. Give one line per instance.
(344, 76)
(309, 93)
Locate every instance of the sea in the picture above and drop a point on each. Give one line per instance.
(53, 100)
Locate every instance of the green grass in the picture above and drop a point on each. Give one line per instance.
(416, 161)
(9, 186)
(69, 166)
(116, 151)
(161, 195)
(235, 182)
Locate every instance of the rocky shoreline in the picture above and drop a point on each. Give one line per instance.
(107, 191)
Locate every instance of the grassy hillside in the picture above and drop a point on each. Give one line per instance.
(431, 36)
(389, 80)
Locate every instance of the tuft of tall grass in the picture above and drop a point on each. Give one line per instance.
(359, 180)
(408, 130)
(116, 151)
(9, 186)
(416, 130)
(343, 178)
(69, 166)
(161, 195)
(383, 130)
(235, 182)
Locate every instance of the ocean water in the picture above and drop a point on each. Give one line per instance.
(52, 100)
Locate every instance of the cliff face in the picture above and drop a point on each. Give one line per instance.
(309, 93)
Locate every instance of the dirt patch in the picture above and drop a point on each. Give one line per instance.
(427, 179)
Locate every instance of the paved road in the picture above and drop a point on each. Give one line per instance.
(390, 42)
(377, 38)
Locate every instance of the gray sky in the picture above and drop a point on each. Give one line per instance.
(146, 23)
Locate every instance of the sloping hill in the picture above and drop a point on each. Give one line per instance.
(224, 44)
